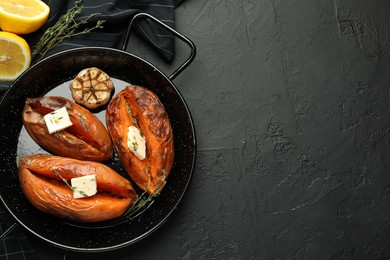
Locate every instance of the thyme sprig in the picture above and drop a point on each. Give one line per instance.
(139, 204)
(146, 197)
(64, 28)
(67, 184)
(63, 179)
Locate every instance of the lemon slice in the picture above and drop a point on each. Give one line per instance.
(23, 16)
(15, 56)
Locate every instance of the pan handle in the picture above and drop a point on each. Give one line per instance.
(174, 32)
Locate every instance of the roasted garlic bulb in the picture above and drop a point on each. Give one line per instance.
(91, 88)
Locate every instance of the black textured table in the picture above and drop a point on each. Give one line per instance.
(290, 101)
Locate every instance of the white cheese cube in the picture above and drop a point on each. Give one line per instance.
(84, 186)
(136, 142)
(57, 120)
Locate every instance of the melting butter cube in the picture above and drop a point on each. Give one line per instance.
(136, 142)
(57, 120)
(84, 186)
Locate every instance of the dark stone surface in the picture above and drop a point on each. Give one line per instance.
(290, 101)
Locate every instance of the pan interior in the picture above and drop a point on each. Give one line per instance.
(51, 77)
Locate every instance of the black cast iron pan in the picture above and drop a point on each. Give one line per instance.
(51, 76)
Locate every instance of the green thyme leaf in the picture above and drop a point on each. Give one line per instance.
(83, 122)
(128, 108)
(135, 146)
(82, 193)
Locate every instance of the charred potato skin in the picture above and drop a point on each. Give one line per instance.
(41, 181)
(86, 139)
(140, 107)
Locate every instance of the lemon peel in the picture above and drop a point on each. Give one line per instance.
(15, 56)
(23, 16)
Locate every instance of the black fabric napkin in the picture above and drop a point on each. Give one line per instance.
(117, 14)
(16, 244)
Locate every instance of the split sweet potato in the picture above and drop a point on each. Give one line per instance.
(139, 107)
(86, 139)
(43, 180)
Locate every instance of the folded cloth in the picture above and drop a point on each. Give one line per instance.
(117, 14)
(15, 245)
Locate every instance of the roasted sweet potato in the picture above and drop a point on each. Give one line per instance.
(86, 139)
(138, 106)
(42, 178)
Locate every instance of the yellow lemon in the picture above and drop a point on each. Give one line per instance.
(23, 16)
(15, 56)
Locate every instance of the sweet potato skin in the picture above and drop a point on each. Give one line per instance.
(41, 181)
(86, 139)
(140, 107)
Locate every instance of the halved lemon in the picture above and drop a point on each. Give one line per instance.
(15, 56)
(23, 16)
